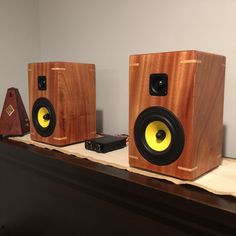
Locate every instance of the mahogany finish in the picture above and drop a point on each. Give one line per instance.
(195, 96)
(14, 120)
(71, 90)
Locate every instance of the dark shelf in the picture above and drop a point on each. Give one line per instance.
(45, 192)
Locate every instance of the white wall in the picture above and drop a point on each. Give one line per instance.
(106, 32)
(19, 44)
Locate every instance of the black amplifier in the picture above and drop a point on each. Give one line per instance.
(106, 143)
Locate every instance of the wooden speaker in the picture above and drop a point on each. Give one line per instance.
(176, 112)
(62, 101)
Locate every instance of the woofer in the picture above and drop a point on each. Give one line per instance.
(44, 117)
(159, 135)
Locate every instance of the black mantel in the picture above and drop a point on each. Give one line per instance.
(45, 192)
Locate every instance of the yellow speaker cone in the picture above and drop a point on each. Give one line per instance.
(43, 117)
(158, 136)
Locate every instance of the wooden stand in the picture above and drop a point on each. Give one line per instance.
(14, 119)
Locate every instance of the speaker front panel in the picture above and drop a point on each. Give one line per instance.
(43, 87)
(161, 112)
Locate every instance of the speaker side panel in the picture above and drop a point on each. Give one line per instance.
(77, 102)
(180, 68)
(208, 112)
(87, 98)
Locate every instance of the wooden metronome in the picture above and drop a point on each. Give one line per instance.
(176, 112)
(62, 100)
(14, 120)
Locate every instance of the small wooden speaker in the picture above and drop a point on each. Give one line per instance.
(62, 99)
(176, 112)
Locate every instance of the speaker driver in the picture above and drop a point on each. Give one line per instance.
(44, 117)
(159, 135)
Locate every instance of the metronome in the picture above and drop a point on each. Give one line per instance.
(14, 120)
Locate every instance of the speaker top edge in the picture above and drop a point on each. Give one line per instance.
(193, 52)
(60, 63)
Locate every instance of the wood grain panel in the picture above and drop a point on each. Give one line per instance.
(195, 80)
(208, 112)
(72, 92)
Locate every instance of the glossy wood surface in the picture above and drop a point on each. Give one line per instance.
(195, 96)
(14, 119)
(49, 193)
(71, 89)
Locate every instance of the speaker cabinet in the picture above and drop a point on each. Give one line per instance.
(62, 100)
(176, 112)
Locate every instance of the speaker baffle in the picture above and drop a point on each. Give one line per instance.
(44, 117)
(159, 135)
